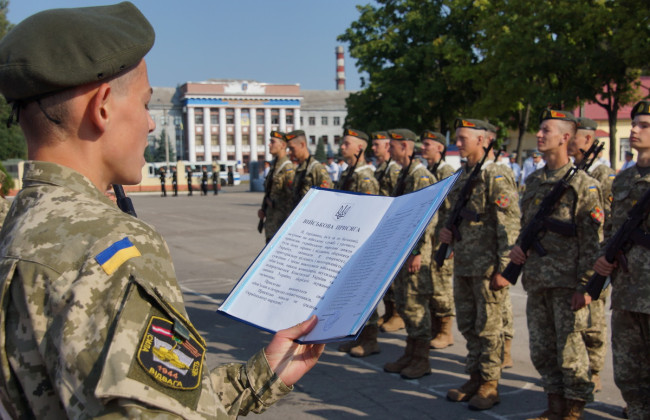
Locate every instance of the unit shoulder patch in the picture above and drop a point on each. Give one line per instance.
(503, 201)
(597, 215)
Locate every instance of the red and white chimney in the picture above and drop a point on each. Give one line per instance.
(340, 69)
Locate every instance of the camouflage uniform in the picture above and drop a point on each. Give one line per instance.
(631, 302)
(278, 188)
(4, 209)
(595, 335)
(89, 297)
(310, 173)
(483, 251)
(387, 175)
(556, 345)
(362, 180)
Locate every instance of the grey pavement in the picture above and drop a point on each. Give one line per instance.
(213, 239)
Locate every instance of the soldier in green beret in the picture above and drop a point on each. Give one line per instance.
(310, 172)
(556, 306)
(412, 293)
(631, 288)
(93, 322)
(480, 255)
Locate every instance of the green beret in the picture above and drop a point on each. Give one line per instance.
(59, 49)
(471, 123)
(553, 114)
(402, 134)
(380, 135)
(435, 136)
(586, 124)
(491, 127)
(356, 133)
(641, 108)
(295, 133)
(279, 135)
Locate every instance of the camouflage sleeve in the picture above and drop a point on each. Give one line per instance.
(367, 184)
(321, 177)
(504, 201)
(423, 180)
(245, 388)
(589, 219)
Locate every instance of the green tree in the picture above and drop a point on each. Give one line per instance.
(8, 183)
(320, 154)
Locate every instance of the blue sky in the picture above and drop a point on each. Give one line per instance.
(271, 41)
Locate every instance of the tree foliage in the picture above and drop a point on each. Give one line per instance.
(320, 154)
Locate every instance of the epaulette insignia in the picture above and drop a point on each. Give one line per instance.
(117, 254)
(597, 215)
(503, 201)
(173, 359)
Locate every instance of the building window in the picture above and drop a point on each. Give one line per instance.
(230, 116)
(260, 139)
(214, 116)
(312, 120)
(336, 120)
(230, 139)
(275, 116)
(324, 138)
(198, 140)
(198, 116)
(260, 117)
(289, 116)
(323, 120)
(301, 123)
(214, 140)
(312, 139)
(245, 139)
(337, 139)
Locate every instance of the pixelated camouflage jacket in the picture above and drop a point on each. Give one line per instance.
(569, 259)
(4, 209)
(605, 175)
(92, 319)
(485, 244)
(363, 180)
(419, 177)
(310, 173)
(631, 290)
(390, 170)
(280, 198)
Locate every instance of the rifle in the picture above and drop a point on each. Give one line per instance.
(401, 182)
(382, 174)
(267, 196)
(123, 202)
(459, 212)
(541, 222)
(625, 237)
(343, 184)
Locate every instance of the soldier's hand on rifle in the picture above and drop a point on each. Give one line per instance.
(498, 282)
(260, 214)
(579, 300)
(517, 255)
(446, 236)
(413, 263)
(604, 268)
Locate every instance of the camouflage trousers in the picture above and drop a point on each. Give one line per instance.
(631, 354)
(442, 300)
(412, 296)
(557, 349)
(595, 335)
(272, 223)
(478, 314)
(506, 316)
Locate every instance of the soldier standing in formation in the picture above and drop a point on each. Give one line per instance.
(189, 180)
(441, 305)
(479, 259)
(278, 194)
(556, 308)
(310, 172)
(163, 177)
(79, 314)
(387, 173)
(631, 288)
(174, 181)
(359, 177)
(595, 335)
(204, 180)
(413, 291)
(215, 179)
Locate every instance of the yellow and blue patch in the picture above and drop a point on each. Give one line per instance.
(117, 254)
(498, 178)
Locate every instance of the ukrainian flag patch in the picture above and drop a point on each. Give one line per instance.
(498, 178)
(117, 254)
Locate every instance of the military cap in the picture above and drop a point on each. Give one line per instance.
(491, 127)
(278, 135)
(59, 49)
(553, 114)
(586, 124)
(641, 108)
(402, 134)
(295, 133)
(471, 123)
(380, 135)
(356, 133)
(435, 136)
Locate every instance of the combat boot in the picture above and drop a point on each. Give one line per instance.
(555, 410)
(367, 343)
(402, 362)
(486, 397)
(573, 409)
(595, 378)
(444, 338)
(394, 323)
(507, 355)
(435, 326)
(466, 390)
(347, 346)
(389, 307)
(419, 364)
